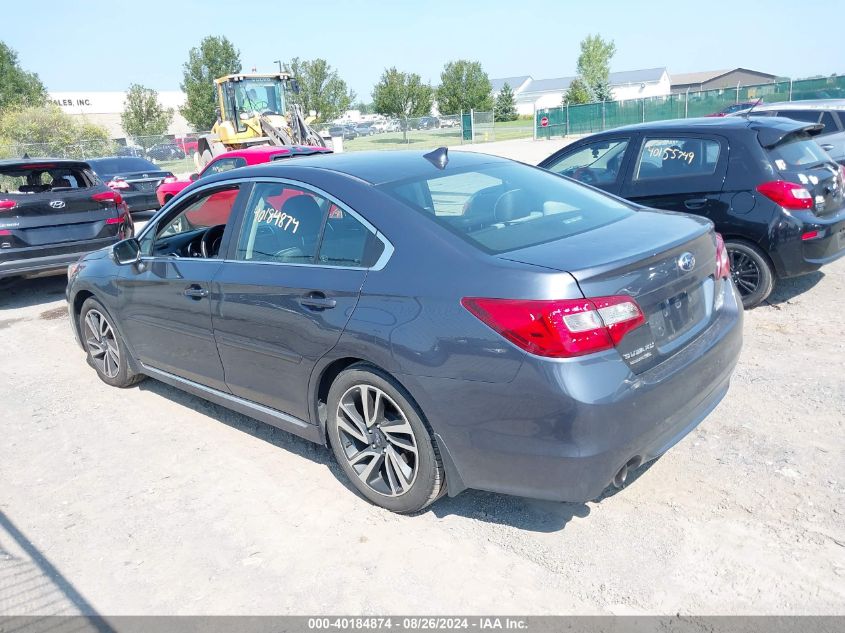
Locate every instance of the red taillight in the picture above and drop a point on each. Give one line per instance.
(723, 262)
(559, 328)
(7, 205)
(114, 220)
(5, 232)
(108, 196)
(789, 195)
(117, 183)
(811, 235)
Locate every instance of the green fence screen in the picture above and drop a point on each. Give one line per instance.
(595, 117)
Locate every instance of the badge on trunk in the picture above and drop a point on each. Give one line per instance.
(57, 204)
(686, 262)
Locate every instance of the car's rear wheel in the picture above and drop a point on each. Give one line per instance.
(106, 352)
(381, 441)
(751, 272)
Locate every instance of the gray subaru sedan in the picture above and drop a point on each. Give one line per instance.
(441, 321)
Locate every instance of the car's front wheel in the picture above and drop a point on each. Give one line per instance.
(106, 352)
(751, 272)
(381, 442)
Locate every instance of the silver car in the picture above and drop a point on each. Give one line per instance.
(828, 112)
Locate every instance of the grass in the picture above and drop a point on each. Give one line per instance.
(439, 137)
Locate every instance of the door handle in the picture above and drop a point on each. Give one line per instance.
(827, 147)
(317, 301)
(695, 203)
(195, 292)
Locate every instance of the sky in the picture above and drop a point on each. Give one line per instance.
(92, 45)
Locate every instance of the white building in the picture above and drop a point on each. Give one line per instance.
(105, 108)
(531, 94)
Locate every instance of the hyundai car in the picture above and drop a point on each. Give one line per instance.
(53, 211)
(441, 321)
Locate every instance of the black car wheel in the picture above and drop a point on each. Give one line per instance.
(381, 442)
(106, 352)
(751, 272)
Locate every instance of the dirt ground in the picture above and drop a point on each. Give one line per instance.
(151, 501)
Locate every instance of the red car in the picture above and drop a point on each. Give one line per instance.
(234, 159)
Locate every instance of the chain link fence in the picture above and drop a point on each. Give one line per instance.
(595, 117)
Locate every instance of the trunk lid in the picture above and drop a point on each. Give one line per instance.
(641, 256)
(141, 180)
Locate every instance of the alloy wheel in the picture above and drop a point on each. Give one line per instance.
(745, 272)
(377, 440)
(102, 343)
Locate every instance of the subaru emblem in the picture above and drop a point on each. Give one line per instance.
(57, 204)
(686, 262)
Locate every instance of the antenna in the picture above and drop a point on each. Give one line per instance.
(756, 103)
(439, 157)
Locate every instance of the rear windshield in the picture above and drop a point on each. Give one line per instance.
(117, 165)
(797, 151)
(30, 180)
(501, 208)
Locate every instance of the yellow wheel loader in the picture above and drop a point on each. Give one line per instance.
(255, 110)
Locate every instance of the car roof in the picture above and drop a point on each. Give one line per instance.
(42, 162)
(809, 104)
(769, 129)
(259, 153)
(102, 158)
(375, 167)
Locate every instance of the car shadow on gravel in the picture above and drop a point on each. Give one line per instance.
(525, 514)
(24, 293)
(787, 289)
(260, 430)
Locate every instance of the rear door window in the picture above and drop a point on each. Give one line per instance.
(805, 116)
(663, 158)
(598, 163)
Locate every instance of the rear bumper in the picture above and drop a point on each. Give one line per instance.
(41, 260)
(794, 256)
(562, 430)
(141, 201)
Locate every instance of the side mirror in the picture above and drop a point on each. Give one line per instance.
(127, 251)
(194, 177)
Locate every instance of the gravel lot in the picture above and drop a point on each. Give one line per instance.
(151, 501)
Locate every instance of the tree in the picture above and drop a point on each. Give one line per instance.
(464, 86)
(577, 93)
(213, 58)
(143, 117)
(505, 108)
(47, 131)
(363, 108)
(400, 94)
(321, 90)
(17, 86)
(594, 65)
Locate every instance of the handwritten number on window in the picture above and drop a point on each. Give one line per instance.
(278, 218)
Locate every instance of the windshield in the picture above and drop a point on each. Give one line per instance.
(500, 208)
(257, 96)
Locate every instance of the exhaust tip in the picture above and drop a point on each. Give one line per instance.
(622, 476)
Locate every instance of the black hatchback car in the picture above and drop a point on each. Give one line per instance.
(772, 192)
(136, 179)
(52, 212)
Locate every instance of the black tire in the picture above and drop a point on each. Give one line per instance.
(751, 272)
(101, 349)
(428, 481)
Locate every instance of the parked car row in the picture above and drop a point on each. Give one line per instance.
(593, 310)
(349, 131)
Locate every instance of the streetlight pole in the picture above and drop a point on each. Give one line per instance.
(279, 62)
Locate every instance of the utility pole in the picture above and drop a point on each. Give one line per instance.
(279, 62)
